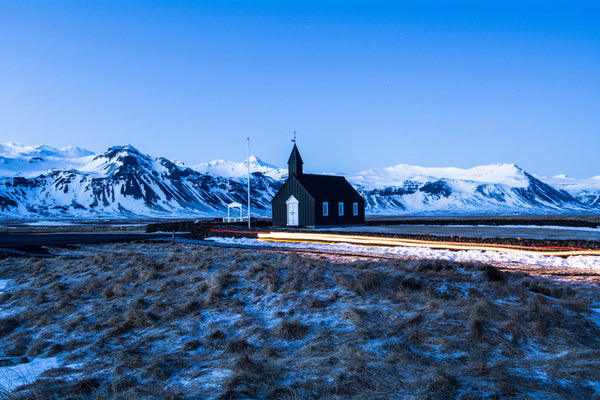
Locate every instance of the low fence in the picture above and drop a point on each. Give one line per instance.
(235, 219)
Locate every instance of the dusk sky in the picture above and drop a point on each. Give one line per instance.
(364, 83)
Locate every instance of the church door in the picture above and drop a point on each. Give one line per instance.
(292, 211)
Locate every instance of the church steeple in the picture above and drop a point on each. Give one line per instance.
(295, 162)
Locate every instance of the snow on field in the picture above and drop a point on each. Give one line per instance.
(22, 374)
(495, 227)
(3, 310)
(48, 223)
(483, 231)
(586, 262)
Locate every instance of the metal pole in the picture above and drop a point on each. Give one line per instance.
(248, 161)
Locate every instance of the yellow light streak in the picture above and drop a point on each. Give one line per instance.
(305, 237)
(305, 241)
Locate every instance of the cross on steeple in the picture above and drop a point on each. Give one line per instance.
(294, 139)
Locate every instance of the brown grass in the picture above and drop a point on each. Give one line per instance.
(159, 321)
(289, 330)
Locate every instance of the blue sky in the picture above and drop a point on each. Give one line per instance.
(364, 84)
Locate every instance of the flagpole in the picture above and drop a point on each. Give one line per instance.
(248, 161)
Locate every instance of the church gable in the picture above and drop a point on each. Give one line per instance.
(306, 203)
(291, 186)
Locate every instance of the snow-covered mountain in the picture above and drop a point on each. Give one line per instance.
(498, 188)
(586, 191)
(122, 181)
(29, 161)
(234, 169)
(503, 174)
(125, 182)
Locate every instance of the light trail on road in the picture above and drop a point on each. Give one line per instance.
(393, 242)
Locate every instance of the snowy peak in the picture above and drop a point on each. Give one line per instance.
(586, 191)
(123, 160)
(121, 153)
(17, 150)
(74, 151)
(232, 169)
(256, 162)
(507, 174)
(566, 181)
(117, 159)
(19, 160)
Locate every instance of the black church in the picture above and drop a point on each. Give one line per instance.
(315, 200)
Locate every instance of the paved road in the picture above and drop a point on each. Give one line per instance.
(22, 240)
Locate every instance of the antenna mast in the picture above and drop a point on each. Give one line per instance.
(248, 161)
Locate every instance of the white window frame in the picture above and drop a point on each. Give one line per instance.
(355, 209)
(341, 208)
(325, 208)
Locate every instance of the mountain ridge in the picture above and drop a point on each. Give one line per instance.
(123, 181)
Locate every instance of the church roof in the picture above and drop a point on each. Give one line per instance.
(295, 156)
(329, 188)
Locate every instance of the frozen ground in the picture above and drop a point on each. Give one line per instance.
(583, 262)
(14, 376)
(485, 231)
(160, 321)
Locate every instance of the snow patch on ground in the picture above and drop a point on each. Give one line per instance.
(48, 223)
(3, 309)
(22, 374)
(595, 317)
(482, 231)
(585, 262)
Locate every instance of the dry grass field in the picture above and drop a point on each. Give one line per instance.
(161, 321)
